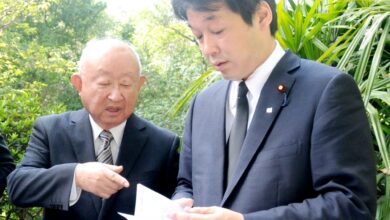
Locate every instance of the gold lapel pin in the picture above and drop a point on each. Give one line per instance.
(281, 88)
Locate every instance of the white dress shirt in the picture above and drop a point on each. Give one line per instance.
(255, 83)
(117, 133)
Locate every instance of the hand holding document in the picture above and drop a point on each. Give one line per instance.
(152, 205)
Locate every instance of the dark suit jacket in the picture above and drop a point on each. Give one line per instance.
(58, 142)
(310, 158)
(6, 164)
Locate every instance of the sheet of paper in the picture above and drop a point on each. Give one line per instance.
(152, 205)
(128, 217)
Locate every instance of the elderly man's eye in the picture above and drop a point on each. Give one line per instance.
(103, 83)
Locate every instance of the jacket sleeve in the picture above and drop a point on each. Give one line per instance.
(171, 168)
(184, 179)
(35, 182)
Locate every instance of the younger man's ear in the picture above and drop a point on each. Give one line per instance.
(264, 14)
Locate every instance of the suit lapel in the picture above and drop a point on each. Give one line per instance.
(83, 146)
(267, 110)
(132, 144)
(81, 136)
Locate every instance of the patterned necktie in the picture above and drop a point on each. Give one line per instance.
(105, 156)
(238, 132)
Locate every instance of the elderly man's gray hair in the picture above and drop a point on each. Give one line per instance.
(99, 46)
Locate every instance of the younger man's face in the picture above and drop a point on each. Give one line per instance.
(232, 46)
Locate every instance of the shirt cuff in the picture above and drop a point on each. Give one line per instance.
(75, 192)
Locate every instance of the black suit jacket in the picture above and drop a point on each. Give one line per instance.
(58, 142)
(6, 164)
(307, 154)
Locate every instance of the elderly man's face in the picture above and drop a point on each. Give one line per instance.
(109, 86)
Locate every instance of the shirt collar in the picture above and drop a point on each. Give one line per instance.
(257, 79)
(117, 131)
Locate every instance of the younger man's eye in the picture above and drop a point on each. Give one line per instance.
(218, 32)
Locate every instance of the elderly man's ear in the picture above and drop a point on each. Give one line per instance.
(141, 81)
(75, 79)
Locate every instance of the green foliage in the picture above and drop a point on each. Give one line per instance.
(18, 110)
(171, 61)
(203, 81)
(70, 22)
(47, 41)
(36, 63)
(301, 25)
(13, 11)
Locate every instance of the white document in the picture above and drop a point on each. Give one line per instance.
(151, 205)
(128, 217)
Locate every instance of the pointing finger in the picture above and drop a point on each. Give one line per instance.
(116, 178)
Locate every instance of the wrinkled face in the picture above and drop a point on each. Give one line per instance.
(232, 46)
(108, 86)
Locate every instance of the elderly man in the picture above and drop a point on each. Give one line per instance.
(85, 164)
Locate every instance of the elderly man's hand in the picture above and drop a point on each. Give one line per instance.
(100, 179)
(207, 213)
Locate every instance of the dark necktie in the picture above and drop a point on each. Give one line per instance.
(238, 131)
(105, 156)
